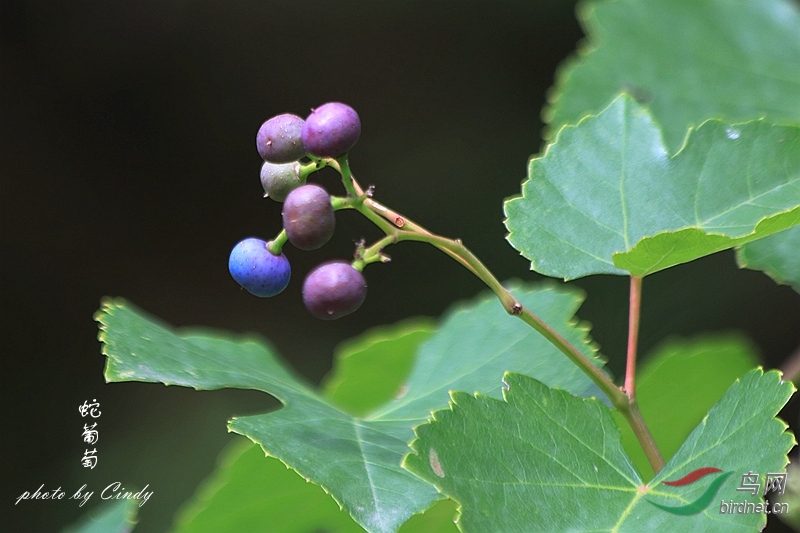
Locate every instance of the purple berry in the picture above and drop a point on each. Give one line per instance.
(331, 130)
(279, 139)
(308, 217)
(257, 269)
(279, 180)
(333, 290)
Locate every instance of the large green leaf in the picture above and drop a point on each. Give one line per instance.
(690, 60)
(676, 387)
(248, 491)
(608, 198)
(479, 342)
(778, 256)
(356, 460)
(544, 460)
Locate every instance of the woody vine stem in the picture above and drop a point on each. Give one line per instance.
(399, 228)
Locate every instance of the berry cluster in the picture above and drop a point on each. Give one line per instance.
(293, 148)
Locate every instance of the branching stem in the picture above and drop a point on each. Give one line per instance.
(305, 170)
(399, 228)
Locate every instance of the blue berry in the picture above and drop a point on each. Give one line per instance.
(331, 130)
(333, 290)
(279, 139)
(258, 270)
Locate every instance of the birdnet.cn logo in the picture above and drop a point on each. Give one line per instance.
(774, 482)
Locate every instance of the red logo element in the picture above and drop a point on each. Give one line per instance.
(704, 500)
(693, 476)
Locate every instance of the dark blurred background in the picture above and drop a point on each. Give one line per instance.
(129, 168)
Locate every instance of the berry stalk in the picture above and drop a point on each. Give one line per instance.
(275, 246)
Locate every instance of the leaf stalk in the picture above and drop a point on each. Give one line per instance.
(634, 312)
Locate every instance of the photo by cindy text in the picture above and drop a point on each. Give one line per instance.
(114, 491)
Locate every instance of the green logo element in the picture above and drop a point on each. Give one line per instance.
(704, 500)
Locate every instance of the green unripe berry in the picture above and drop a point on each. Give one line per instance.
(279, 180)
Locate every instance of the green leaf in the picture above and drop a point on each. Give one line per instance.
(690, 60)
(115, 517)
(752, 46)
(606, 198)
(515, 465)
(370, 370)
(544, 460)
(478, 342)
(248, 490)
(740, 434)
(676, 387)
(778, 256)
(356, 460)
